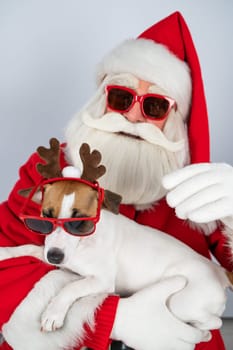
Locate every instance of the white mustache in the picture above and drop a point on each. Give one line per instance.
(115, 122)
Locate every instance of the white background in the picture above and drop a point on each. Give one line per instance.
(49, 50)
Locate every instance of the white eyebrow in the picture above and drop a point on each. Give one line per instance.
(124, 79)
(66, 205)
(157, 90)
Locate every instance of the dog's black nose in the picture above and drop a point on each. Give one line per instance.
(55, 256)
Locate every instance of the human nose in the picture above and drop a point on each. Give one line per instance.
(134, 115)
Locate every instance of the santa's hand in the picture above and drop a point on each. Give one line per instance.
(202, 192)
(143, 320)
(200, 304)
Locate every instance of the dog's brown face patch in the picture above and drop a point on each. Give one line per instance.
(85, 199)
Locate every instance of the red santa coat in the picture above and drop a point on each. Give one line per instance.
(18, 275)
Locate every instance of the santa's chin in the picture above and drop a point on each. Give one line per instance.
(134, 166)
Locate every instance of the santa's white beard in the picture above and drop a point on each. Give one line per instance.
(134, 167)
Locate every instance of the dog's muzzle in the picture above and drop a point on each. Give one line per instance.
(55, 256)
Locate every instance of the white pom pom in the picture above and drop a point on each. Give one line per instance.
(71, 171)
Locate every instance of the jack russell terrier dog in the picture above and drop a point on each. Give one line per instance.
(112, 253)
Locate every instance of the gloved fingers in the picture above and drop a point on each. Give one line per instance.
(207, 196)
(212, 211)
(213, 322)
(181, 175)
(190, 334)
(185, 346)
(207, 336)
(194, 178)
(190, 346)
(194, 186)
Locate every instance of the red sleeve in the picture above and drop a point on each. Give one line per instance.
(99, 339)
(219, 247)
(18, 275)
(13, 231)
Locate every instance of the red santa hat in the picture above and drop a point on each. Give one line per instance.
(165, 55)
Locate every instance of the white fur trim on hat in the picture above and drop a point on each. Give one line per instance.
(152, 62)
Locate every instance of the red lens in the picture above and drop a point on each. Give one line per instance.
(119, 99)
(155, 107)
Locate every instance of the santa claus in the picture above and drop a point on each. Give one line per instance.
(149, 120)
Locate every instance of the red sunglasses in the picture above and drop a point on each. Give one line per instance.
(153, 106)
(79, 226)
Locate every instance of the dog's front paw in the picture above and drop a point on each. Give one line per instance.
(53, 317)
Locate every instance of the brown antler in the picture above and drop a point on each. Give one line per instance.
(52, 157)
(91, 168)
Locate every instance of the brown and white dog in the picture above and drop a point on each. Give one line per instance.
(120, 256)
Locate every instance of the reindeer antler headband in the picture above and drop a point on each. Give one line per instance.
(92, 170)
(52, 157)
(90, 160)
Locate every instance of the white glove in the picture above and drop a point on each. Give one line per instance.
(202, 192)
(143, 320)
(200, 303)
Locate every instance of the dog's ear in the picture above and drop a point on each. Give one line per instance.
(112, 201)
(37, 197)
